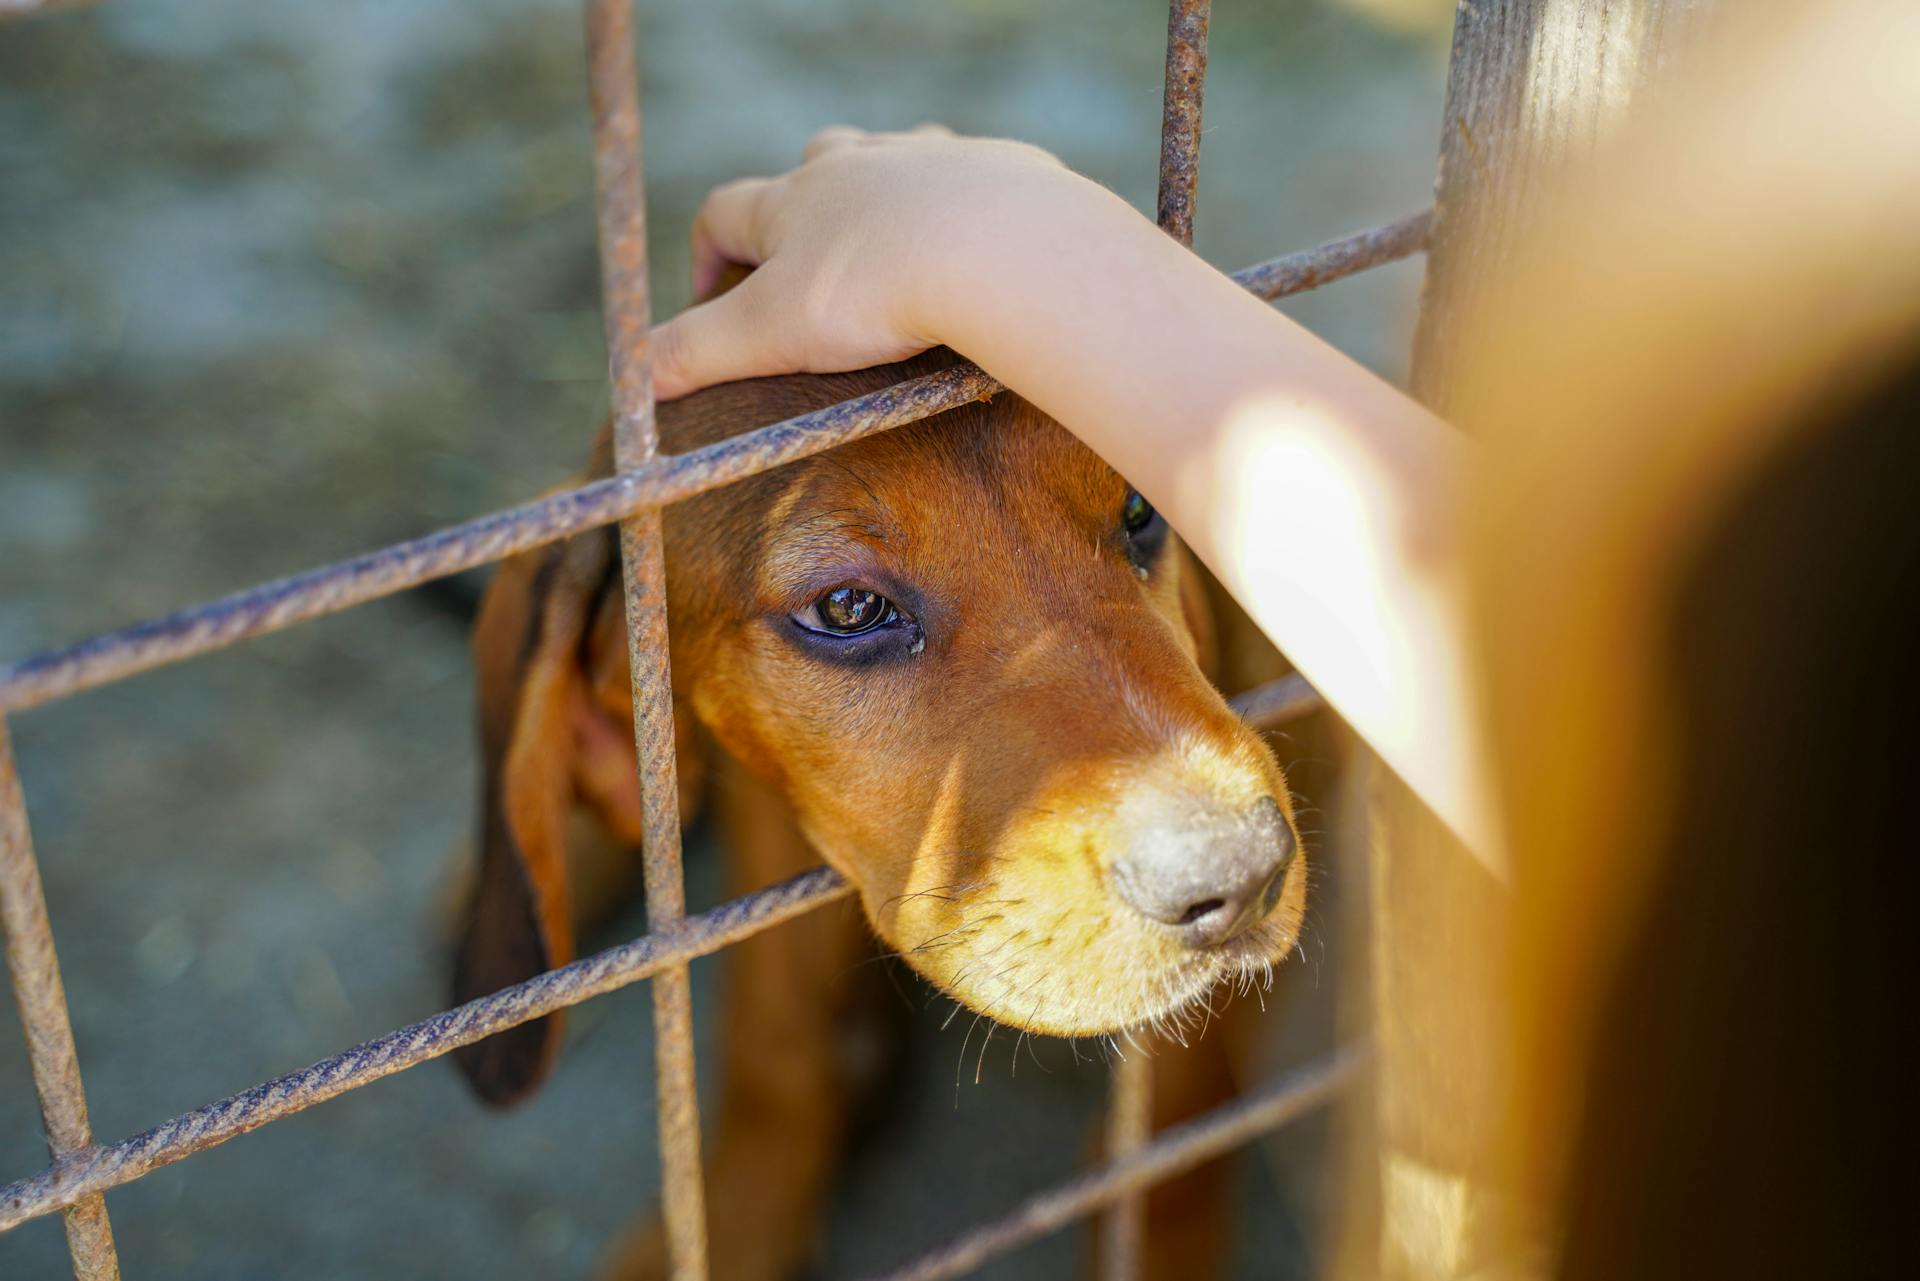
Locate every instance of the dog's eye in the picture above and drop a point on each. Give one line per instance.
(848, 611)
(1146, 532)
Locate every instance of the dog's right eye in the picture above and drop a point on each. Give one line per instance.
(848, 611)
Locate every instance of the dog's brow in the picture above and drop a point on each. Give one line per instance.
(856, 477)
(799, 551)
(867, 512)
(847, 520)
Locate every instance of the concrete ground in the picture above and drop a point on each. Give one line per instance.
(283, 282)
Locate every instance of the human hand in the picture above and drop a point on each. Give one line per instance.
(866, 253)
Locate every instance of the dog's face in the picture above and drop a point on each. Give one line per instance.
(961, 652)
(966, 653)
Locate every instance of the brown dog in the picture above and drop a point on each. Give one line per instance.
(961, 662)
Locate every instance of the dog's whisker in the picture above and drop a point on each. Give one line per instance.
(958, 889)
(1032, 1053)
(960, 1064)
(953, 938)
(968, 924)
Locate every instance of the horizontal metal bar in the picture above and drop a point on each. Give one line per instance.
(284, 602)
(202, 629)
(96, 1169)
(1296, 273)
(1173, 1151)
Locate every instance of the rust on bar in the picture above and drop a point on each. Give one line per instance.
(1187, 22)
(614, 91)
(42, 997)
(93, 1170)
(273, 606)
(1177, 1149)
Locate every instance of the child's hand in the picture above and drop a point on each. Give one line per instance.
(865, 254)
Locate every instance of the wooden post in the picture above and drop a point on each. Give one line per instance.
(1534, 87)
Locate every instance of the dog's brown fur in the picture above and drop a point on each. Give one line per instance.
(970, 781)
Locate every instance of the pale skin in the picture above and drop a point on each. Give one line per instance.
(1322, 496)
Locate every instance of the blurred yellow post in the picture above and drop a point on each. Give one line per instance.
(1673, 260)
(1534, 90)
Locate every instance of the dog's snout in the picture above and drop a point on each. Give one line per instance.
(1211, 877)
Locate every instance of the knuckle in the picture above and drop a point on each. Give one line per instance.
(830, 138)
(722, 196)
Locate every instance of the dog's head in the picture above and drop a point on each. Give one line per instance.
(969, 656)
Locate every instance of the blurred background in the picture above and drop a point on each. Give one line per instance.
(282, 282)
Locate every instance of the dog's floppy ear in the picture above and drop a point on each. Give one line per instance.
(529, 650)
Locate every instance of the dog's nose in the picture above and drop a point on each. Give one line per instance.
(1210, 877)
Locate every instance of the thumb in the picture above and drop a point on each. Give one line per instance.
(726, 338)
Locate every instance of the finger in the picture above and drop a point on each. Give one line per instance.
(734, 336)
(730, 228)
(832, 138)
(933, 129)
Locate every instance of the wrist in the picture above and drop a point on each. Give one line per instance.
(1008, 271)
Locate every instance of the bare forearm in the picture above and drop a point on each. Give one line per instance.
(1322, 496)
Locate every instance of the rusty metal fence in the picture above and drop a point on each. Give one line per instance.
(81, 1170)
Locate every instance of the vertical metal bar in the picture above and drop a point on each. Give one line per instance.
(1130, 1109)
(1187, 22)
(615, 95)
(43, 1013)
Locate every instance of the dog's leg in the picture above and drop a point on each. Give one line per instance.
(1189, 1219)
(783, 1097)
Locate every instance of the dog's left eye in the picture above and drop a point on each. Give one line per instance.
(1137, 513)
(848, 611)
